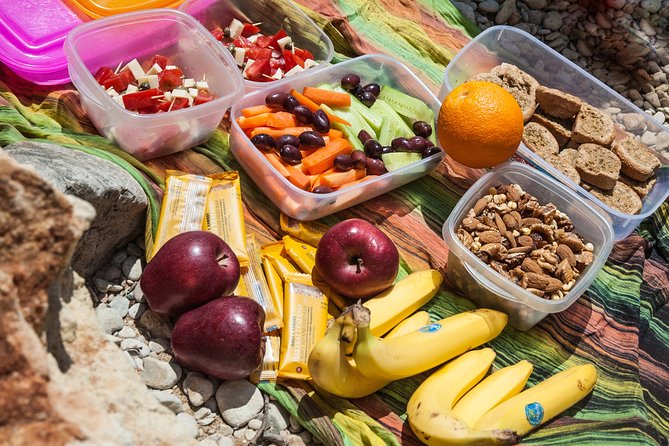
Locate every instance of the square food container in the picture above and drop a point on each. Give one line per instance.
(506, 44)
(32, 33)
(489, 289)
(141, 35)
(104, 8)
(303, 205)
(272, 16)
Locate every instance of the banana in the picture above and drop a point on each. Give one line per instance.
(400, 300)
(412, 323)
(538, 404)
(496, 388)
(423, 349)
(430, 407)
(332, 370)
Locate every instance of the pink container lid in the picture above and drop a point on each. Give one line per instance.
(32, 33)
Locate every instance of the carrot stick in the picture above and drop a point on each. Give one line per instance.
(253, 121)
(308, 151)
(337, 179)
(311, 105)
(275, 133)
(256, 110)
(323, 159)
(281, 120)
(276, 161)
(298, 178)
(362, 180)
(334, 134)
(327, 97)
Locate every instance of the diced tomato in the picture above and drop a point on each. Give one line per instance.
(203, 97)
(304, 54)
(180, 103)
(289, 60)
(103, 74)
(256, 52)
(169, 79)
(117, 81)
(127, 77)
(163, 105)
(242, 42)
(217, 33)
(265, 41)
(160, 60)
(148, 110)
(275, 63)
(249, 30)
(280, 34)
(257, 69)
(298, 60)
(141, 99)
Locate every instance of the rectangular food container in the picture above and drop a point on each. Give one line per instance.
(104, 8)
(272, 16)
(506, 44)
(32, 33)
(488, 288)
(121, 38)
(303, 205)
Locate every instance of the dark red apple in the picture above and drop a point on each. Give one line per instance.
(223, 338)
(356, 259)
(189, 270)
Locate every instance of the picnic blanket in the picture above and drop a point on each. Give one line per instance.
(621, 323)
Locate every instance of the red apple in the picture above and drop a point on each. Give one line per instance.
(223, 338)
(189, 270)
(356, 259)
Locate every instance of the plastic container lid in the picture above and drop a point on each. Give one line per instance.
(32, 33)
(104, 8)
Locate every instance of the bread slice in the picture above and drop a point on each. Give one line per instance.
(566, 167)
(642, 188)
(638, 161)
(557, 103)
(538, 139)
(521, 85)
(598, 166)
(568, 155)
(593, 126)
(620, 197)
(559, 128)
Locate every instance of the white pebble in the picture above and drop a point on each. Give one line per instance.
(226, 441)
(139, 364)
(168, 400)
(201, 413)
(159, 345)
(198, 388)
(126, 332)
(207, 421)
(207, 442)
(189, 423)
(659, 116)
(136, 310)
(120, 304)
(108, 319)
(138, 294)
(249, 434)
(137, 346)
(255, 424)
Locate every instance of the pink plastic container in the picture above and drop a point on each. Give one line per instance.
(32, 33)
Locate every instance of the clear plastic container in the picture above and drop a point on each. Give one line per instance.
(488, 288)
(303, 205)
(31, 39)
(104, 8)
(505, 44)
(273, 15)
(141, 35)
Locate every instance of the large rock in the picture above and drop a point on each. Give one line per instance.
(118, 199)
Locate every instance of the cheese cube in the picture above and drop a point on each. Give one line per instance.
(135, 68)
(168, 96)
(155, 69)
(188, 83)
(278, 74)
(131, 89)
(310, 63)
(254, 37)
(246, 67)
(236, 28)
(284, 41)
(151, 79)
(239, 56)
(177, 93)
(170, 67)
(111, 92)
(202, 85)
(294, 70)
(193, 92)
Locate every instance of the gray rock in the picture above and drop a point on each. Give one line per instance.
(505, 12)
(132, 268)
(126, 332)
(157, 326)
(119, 201)
(225, 430)
(137, 346)
(466, 10)
(238, 401)
(159, 374)
(254, 424)
(108, 319)
(552, 20)
(649, 138)
(294, 425)
(189, 423)
(651, 6)
(207, 442)
(226, 441)
(536, 4)
(489, 6)
(211, 404)
(198, 388)
(159, 345)
(207, 420)
(278, 417)
(101, 284)
(535, 17)
(167, 399)
(138, 294)
(201, 413)
(633, 122)
(305, 436)
(110, 273)
(120, 304)
(135, 250)
(119, 257)
(136, 310)
(653, 98)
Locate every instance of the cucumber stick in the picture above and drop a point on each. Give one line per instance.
(393, 125)
(373, 119)
(351, 131)
(408, 106)
(395, 160)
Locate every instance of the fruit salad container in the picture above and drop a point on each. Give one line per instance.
(270, 16)
(500, 44)
(104, 8)
(489, 289)
(141, 35)
(304, 205)
(32, 35)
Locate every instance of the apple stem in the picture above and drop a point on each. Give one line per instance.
(359, 261)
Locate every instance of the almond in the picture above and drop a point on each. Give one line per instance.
(564, 252)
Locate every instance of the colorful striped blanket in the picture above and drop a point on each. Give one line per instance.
(621, 324)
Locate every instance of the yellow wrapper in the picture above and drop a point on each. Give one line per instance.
(274, 283)
(281, 261)
(303, 254)
(269, 369)
(183, 206)
(241, 289)
(305, 319)
(254, 278)
(307, 231)
(225, 213)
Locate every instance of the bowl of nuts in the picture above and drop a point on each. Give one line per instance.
(523, 243)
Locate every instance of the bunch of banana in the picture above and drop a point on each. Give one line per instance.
(449, 408)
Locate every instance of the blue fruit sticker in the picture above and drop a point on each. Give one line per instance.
(430, 328)
(534, 412)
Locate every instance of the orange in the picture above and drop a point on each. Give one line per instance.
(480, 124)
